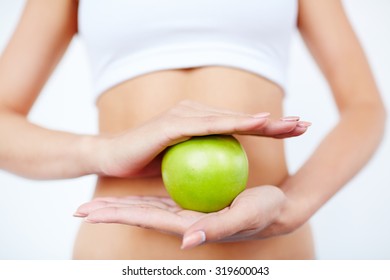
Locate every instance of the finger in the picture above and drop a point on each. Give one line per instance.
(213, 124)
(297, 131)
(249, 213)
(141, 216)
(277, 127)
(235, 124)
(192, 119)
(241, 216)
(86, 208)
(214, 227)
(242, 126)
(105, 202)
(145, 198)
(286, 127)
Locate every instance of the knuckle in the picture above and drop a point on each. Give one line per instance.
(211, 124)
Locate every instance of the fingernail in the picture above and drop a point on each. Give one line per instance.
(194, 239)
(304, 124)
(78, 215)
(290, 119)
(261, 115)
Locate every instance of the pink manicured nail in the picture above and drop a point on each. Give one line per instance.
(304, 124)
(194, 239)
(79, 215)
(290, 119)
(261, 115)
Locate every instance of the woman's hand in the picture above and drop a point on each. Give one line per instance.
(253, 214)
(136, 152)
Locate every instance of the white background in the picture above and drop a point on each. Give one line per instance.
(36, 216)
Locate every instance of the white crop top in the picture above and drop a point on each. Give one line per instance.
(127, 38)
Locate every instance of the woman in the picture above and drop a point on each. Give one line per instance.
(228, 62)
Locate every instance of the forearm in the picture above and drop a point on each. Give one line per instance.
(345, 150)
(35, 152)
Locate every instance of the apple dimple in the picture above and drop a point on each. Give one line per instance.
(205, 173)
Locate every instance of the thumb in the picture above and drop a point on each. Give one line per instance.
(216, 226)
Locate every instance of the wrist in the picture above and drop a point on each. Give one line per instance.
(296, 211)
(290, 217)
(92, 150)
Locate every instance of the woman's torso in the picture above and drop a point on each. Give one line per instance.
(135, 101)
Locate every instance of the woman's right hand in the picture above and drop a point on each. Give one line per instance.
(137, 152)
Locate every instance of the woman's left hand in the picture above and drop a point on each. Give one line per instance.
(252, 215)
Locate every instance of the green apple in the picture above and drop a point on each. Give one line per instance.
(205, 173)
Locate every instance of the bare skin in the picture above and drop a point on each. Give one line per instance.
(141, 117)
(135, 102)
